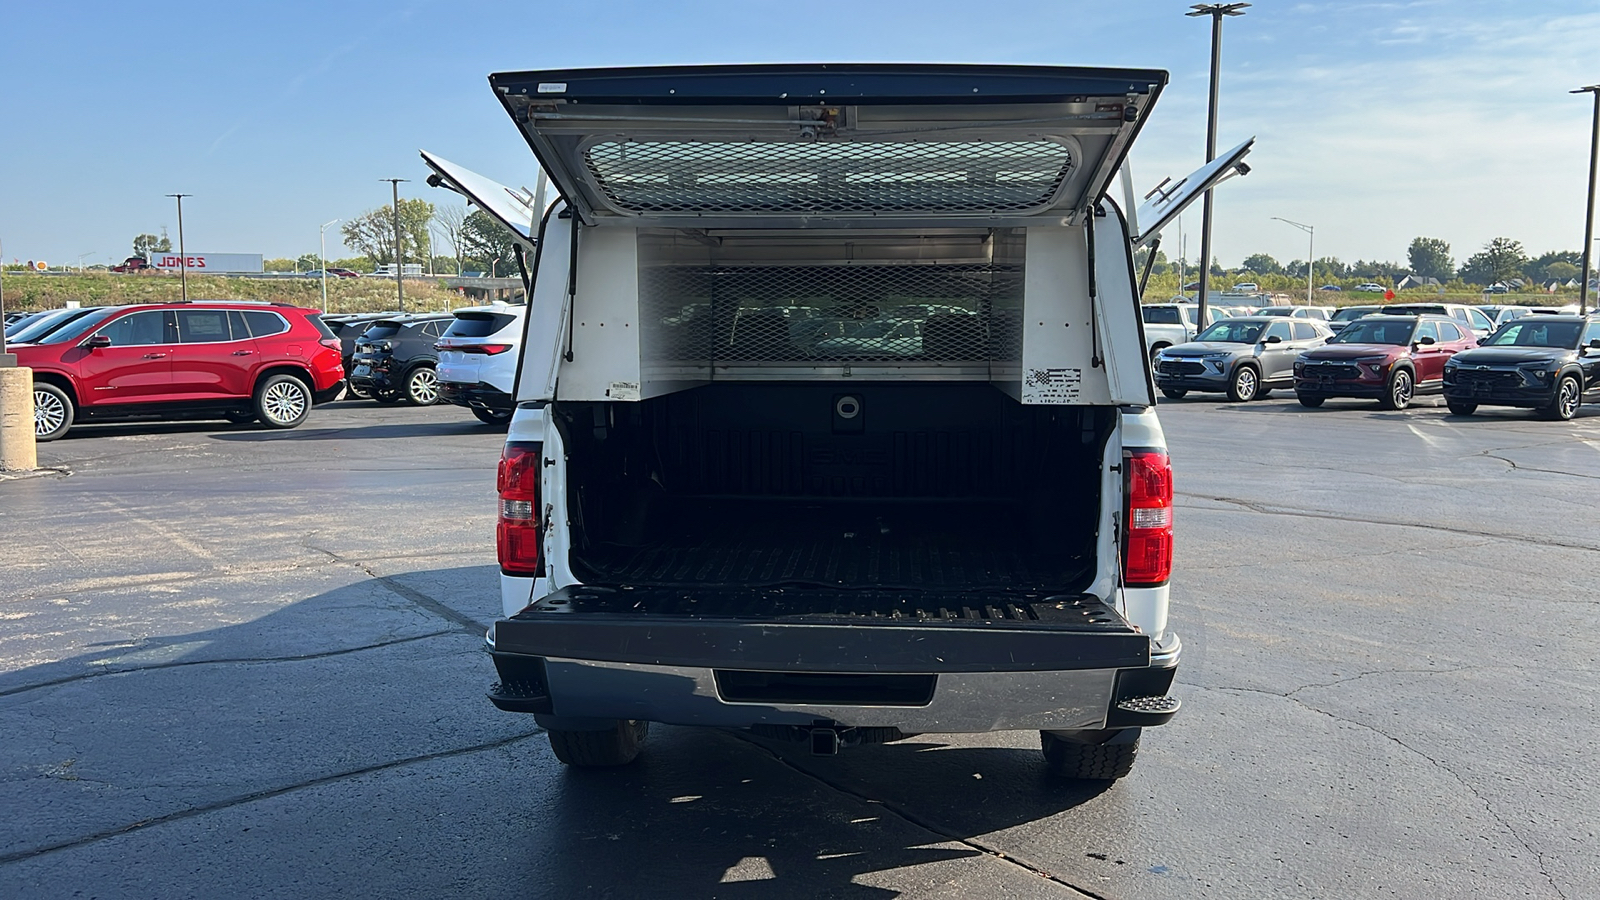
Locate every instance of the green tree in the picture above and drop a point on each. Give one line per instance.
(1540, 266)
(487, 244)
(1262, 264)
(1560, 271)
(1501, 259)
(146, 244)
(1161, 266)
(280, 264)
(1430, 258)
(308, 262)
(372, 232)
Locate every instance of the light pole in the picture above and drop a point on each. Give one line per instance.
(80, 259)
(1588, 209)
(1216, 11)
(400, 289)
(183, 257)
(1311, 251)
(322, 257)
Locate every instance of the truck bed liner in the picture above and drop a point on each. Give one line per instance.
(952, 545)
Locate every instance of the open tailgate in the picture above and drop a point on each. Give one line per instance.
(830, 145)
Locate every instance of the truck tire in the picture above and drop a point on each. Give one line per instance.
(615, 746)
(1244, 384)
(1174, 393)
(492, 417)
(1107, 761)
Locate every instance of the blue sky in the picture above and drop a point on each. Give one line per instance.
(1377, 121)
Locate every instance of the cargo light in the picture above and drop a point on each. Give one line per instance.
(519, 531)
(1147, 552)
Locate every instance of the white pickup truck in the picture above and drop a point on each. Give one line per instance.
(1168, 325)
(834, 421)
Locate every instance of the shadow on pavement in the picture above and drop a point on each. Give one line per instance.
(162, 742)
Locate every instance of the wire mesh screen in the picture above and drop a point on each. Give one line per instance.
(835, 177)
(831, 314)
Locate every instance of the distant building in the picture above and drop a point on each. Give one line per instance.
(1418, 281)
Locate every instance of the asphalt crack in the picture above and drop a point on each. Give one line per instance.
(1488, 807)
(1547, 541)
(104, 671)
(919, 822)
(464, 623)
(257, 796)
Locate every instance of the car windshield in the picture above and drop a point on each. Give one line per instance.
(1366, 331)
(1233, 332)
(1351, 313)
(31, 329)
(77, 327)
(1531, 332)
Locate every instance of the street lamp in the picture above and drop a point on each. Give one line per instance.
(80, 259)
(1311, 254)
(322, 256)
(183, 257)
(400, 289)
(1588, 209)
(1216, 11)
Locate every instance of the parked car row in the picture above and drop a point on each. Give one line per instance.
(249, 361)
(1547, 362)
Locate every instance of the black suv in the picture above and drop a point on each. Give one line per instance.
(1542, 362)
(347, 327)
(395, 359)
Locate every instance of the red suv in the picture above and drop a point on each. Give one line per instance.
(235, 360)
(1387, 358)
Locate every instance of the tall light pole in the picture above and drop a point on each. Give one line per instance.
(80, 258)
(1588, 210)
(1216, 11)
(322, 256)
(1311, 251)
(400, 289)
(183, 257)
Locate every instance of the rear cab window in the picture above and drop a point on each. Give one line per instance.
(478, 324)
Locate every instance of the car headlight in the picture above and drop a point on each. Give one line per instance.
(1539, 371)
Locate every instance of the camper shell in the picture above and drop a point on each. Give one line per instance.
(834, 417)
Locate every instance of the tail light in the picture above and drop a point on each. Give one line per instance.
(519, 531)
(331, 343)
(1147, 552)
(490, 349)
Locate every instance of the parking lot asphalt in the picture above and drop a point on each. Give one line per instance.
(236, 662)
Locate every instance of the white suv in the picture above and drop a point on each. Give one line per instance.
(821, 431)
(478, 360)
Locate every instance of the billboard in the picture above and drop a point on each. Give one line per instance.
(208, 262)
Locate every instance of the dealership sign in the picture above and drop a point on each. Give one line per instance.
(207, 262)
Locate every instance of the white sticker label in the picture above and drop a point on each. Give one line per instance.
(623, 390)
(552, 87)
(1050, 386)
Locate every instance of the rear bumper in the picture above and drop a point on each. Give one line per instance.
(328, 395)
(973, 676)
(476, 396)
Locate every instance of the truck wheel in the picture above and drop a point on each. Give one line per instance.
(52, 411)
(1310, 402)
(282, 401)
(1397, 395)
(616, 746)
(1174, 393)
(1461, 407)
(492, 417)
(1564, 403)
(1243, 385)
(422, 386)
(1068, 757)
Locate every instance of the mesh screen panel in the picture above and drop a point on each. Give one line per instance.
(816, 314)
(835, 177)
